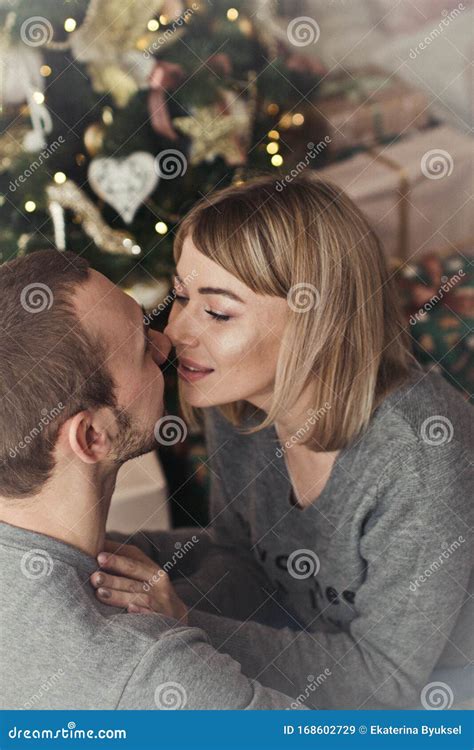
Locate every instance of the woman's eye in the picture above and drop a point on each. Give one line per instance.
(218, 316)
(181, 299)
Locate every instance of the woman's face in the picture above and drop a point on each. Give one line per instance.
(227, 337)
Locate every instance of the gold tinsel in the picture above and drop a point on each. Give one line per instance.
(70, 196)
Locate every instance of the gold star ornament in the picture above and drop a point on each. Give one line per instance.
(215, 134)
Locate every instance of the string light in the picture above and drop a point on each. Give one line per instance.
(286, 121)
(136, 249)
(127, 243)
(161, 227)
(30, 206)
(38, 97)
(277, 160)
(273, 109)
(274, 134)
(45, 71)
(232, 14)
(272, 148)
(297, 119)
(69, 24)
(60, 178)
(107, 116)
(245, 26)
(153, 25)
(163, 20)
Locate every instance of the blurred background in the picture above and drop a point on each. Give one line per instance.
(118, 115)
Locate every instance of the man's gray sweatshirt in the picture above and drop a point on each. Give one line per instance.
(63, 649)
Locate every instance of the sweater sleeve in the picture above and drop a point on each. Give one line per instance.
(182, 671)
(416, 545)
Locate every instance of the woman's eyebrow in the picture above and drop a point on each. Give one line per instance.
(214, 290)
(218, 290)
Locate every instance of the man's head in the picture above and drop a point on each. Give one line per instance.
(79, 371)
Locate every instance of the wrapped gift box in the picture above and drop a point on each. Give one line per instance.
(438, 299)
(415, 192)
(366, 108)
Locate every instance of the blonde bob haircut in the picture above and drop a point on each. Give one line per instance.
(345, 340)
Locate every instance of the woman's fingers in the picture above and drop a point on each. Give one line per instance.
(128, 550)
(122, 599)
(100, 579)
(139, 570)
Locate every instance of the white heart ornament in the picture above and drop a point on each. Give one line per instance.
(124, 183)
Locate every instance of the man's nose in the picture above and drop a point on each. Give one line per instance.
(161, 347)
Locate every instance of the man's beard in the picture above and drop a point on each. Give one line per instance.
(131, 442)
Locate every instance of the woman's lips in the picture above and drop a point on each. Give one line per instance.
(192, 371)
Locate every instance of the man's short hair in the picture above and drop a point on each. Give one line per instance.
(50, 367)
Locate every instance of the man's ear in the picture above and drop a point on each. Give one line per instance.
(88, 437)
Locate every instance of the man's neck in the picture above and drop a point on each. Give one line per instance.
(74, 512)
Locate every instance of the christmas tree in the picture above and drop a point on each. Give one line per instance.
(117, 117)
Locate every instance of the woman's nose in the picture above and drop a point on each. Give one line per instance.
(179, 329)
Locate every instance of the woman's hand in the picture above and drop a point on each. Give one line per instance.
(138, 583)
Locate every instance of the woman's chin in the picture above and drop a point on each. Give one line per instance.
(199, 399)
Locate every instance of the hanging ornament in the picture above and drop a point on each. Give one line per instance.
(164, 78)
(124, 183)
(69, 196)
(22, 82)
(215, 134)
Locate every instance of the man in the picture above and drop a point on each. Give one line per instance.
(81, 391)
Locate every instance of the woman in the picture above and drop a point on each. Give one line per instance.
(340, 470)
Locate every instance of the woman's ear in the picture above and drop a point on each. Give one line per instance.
(88, 436)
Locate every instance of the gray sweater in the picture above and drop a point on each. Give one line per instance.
(63, 649)
(355, 600)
